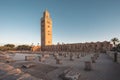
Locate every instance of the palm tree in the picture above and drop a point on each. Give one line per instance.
(115, 40)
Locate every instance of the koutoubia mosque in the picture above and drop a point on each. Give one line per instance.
(46, 29)
(46, 40)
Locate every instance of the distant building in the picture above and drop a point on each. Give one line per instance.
(36, 48)
(46, 40)
(80, 47)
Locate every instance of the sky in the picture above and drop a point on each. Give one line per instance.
(74, 21)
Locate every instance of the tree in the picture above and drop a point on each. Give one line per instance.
(23, 47)
(9, 45)
(115, 40)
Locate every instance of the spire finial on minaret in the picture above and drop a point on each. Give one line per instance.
(46, 13)
(46, 10)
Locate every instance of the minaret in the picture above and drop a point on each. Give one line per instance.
(46, 29)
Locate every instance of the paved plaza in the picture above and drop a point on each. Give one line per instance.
(103, 69)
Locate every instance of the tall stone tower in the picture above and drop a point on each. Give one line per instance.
(46, 29)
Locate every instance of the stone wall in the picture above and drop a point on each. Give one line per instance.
(80, 47)
(35, 48)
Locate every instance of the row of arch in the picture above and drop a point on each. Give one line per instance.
(80, 47)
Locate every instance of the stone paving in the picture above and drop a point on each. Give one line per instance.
(8, 72)
(103, 69)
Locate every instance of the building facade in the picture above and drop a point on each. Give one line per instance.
(46, 40)
(80, 47)
(35, 48)
(46, 29)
